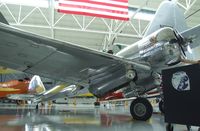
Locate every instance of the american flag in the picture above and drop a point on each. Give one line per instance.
(112, 9)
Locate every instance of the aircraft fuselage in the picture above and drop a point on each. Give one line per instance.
(155, 49)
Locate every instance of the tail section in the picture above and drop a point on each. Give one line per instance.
(35, 88)
(170, 15)
(36, 85)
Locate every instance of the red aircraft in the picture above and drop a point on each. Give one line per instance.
(14, 87)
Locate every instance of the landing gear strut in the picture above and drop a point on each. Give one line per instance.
(97, 103)
(169, 127)
(141, 109)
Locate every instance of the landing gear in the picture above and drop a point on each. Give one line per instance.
(37, 107)
(169, 127)
(97, 103)
(161, 106)
(18, 102)
(141, 109)
(188, 127)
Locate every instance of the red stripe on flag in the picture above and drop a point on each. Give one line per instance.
(94, 15)
(93, 8)
(98, 3)
(124, 1)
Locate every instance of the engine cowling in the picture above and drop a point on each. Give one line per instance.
(161, 49)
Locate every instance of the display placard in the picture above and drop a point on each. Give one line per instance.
(181, 89)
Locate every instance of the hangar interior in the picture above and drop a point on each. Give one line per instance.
(41, 17)
(96, 33)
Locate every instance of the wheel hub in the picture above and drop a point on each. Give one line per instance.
(130, 74)
(140, 109)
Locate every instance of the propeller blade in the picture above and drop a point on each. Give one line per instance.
(182, 49)
(180, 41)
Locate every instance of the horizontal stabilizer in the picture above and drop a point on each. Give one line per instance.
(192, 35)
(3, 19)
(20, 96)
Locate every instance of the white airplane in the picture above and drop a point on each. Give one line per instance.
(135, 69)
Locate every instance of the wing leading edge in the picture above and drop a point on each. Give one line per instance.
(46, 57)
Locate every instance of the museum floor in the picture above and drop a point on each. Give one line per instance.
(77, 118)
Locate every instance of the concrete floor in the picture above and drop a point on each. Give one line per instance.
(77, 118)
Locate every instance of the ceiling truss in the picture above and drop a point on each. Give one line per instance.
(114, 27)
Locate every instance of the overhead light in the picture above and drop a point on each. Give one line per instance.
(143, 14)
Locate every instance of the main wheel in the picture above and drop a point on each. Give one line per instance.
(161, 106)
(141, 109)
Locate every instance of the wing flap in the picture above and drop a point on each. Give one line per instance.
(21, 53)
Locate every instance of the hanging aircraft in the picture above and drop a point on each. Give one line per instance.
(136, 68)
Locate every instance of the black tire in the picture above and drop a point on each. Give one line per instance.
(141, 109)
(161, 106)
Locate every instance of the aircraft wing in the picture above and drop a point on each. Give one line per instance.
(46, 57)
(59, 60)
(192, 35)
(21, 96)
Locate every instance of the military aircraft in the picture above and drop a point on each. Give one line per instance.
(136, 68)
(37, 92)
(34, 88)
(13, 87)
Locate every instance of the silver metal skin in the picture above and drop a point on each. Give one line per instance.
(133, 68)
